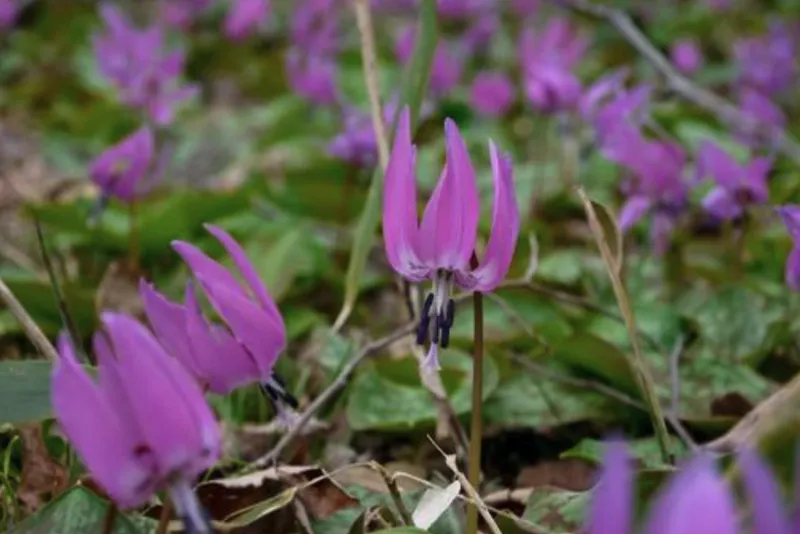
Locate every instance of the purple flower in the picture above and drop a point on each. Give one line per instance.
(548, 59)
(120, 171)
(464, 9)
(768, 114)
(441, 246)
(312, 77)
(478, 36)
(768, 63)
(247, 309)
(394, 6)
(315, 26)
(696, 499)
(446, 68)
(492, 93)
(607, 105)
(790, 214)
(244, 17)
(356, 143)
(658, 187)
(182, 13)
(525, 8)
(144, 425)
(134, 61)
(9, 10)
(737, 186)
(686, 56)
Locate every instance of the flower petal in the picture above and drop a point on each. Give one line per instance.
(768, 515)
(400, 204)
(505, 225)
(719, 165)
(250, 324)
(184, 438)
(721, 203)
(225, 364)
(612, 498)
(632, 211)
(450, 222)
(695, 500)
(104, 444)
(793, 269)
(250, 275)
(790, 215)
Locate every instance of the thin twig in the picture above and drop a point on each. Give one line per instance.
(476, 419)
(674, 375)
(724, 110)
(450, 461)
(338, 384)
(370, 63)
(32, 330)
(394, 493)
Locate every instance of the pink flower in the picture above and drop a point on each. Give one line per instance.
(492, 93)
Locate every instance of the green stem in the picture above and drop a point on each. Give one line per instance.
(133, 240)
(476, 423)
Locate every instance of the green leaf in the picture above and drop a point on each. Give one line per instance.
(557, 509)
(25, 390)
(412, 94)
(388, 395)
(402, 530)
(645, 450)
(78, 511)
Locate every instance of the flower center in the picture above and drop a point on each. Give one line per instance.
(439, 306)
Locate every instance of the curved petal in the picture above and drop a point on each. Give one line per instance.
(768, 515)
(203, 266)
(184, 438)
(225, 364)
(612, 498)
(168, 322)
(450, 222)
(793, 269)
(632, 211)
(505, 225)
(714, 162)
(721, 204)
(249, 323)
(400, 205)
(756, 175)
(695, 500)
(249, 273)
(104, 444)
(790, 215)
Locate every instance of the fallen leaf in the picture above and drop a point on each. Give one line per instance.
(42, 477)
(434, 503)
(119, 290)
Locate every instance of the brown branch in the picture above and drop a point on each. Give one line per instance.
(727, 112)
(29, 326)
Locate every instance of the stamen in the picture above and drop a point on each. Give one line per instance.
(424, 320)
(195, 519)
(275, 390)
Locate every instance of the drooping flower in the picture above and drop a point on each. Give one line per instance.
(790, 214)
(441, 246)
(446, 67)
(244, 17)
(606, 105)
(548, 58)
(737, 187)
(122, 170)
(771, 118)
(248, 310)
(696, 499)
(769, 62)
(686, 56)
(136, 63)
(144, 425)
(658, 185)
(9, 11)
(492, 93)
(312, 77)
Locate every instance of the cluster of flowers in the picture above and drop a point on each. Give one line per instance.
(144, 425)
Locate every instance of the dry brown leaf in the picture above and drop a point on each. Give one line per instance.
(42, 477)
(119, 290)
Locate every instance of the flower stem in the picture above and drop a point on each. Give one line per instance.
(476, 422)
(163, 519)
(110, 519)
(133, 240)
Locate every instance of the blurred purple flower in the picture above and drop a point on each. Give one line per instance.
(769, 62)
(134, 61)
(525, 8)
(478, 36)
(394, 6)
(696, 499)
(356, 143)
(790, 214)
(441, 246)
(9, 10)
(121, 170)
(244, 17)
(492, 93)
(464, 9)
(607, 105)
(314, 27)
(686, 56)
(312, 77)
(762, 108)
(182, 13)
(144, 425)
(447, 65)
(548, 59)
(658, 188)
(737, 186)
